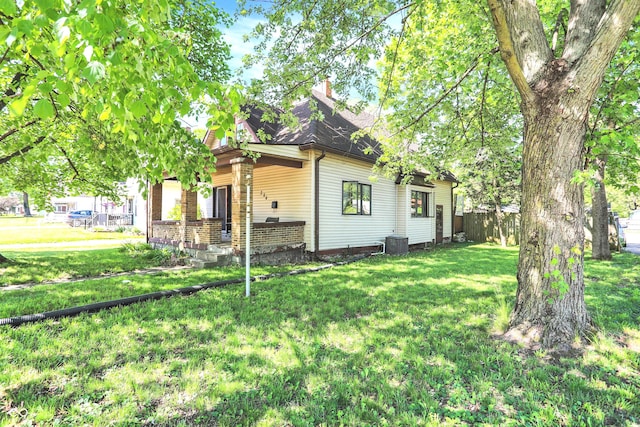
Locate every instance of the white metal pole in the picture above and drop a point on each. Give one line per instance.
(247, 254)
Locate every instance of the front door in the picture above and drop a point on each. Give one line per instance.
(439, 223)
(223, 207)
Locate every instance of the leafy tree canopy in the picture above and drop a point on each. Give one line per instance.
(90, 92)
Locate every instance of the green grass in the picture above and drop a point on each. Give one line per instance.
(50, 297)
(384, 341)
(20, 230)
(38, 265)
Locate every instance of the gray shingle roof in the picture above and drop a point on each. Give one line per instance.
(334, 132)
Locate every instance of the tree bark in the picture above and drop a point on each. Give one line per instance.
(600, 214)
(25, 201)
(550, 306)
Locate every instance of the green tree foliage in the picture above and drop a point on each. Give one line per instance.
(90, 92)
(613, 151)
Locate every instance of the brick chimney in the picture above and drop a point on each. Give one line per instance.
(327, 88)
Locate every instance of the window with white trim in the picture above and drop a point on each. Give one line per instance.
(356, 198)
(420, 204)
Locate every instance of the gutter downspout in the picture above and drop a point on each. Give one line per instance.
(453, 211)
(148, 214)
(316, 221)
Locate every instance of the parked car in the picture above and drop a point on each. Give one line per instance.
(81, 217)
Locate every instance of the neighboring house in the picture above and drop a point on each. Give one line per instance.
(132, 206)
(315, 181)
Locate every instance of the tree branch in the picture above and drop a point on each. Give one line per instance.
(68, 159)
(462, 124)
(556, 30)
(21, 151)
(583, 18)
(4, 56)
(522, 40)
(15, 82)
(10, 132)
(445, 93)
(483, 101)
(394, 60)
(327, 67)
(613, 26)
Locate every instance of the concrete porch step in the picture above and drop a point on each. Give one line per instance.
(205, 259)
(198, 263)
(226, 250)
(210, 256)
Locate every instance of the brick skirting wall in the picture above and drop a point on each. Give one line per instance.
(203, 232)
(277, 233)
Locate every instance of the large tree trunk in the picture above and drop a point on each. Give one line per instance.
(25, 202)
(556, 94)
(550, 304)
(600, 214)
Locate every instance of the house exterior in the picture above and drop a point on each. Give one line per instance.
(315, 182)
(131, 209)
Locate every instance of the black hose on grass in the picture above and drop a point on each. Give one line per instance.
(92, 308)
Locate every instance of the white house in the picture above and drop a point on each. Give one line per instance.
(315, 182)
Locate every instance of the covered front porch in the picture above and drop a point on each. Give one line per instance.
(222, 224)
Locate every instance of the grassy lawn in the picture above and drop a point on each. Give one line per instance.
(384, 341)
(48, 264)
(57, 296)
(20, 230)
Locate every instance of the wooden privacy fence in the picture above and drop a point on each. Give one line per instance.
(483, 227)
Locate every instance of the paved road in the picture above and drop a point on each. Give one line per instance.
(633, 241)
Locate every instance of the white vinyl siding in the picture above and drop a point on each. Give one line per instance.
(420, 230)
(291, 188)
(402, 210)
(342, 231)
(443, 197)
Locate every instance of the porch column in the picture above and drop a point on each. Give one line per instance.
(155, 202)
(242, 175)
(154, 207)
(189, 212)
(189, 208)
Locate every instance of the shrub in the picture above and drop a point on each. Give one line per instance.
(138, 249)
